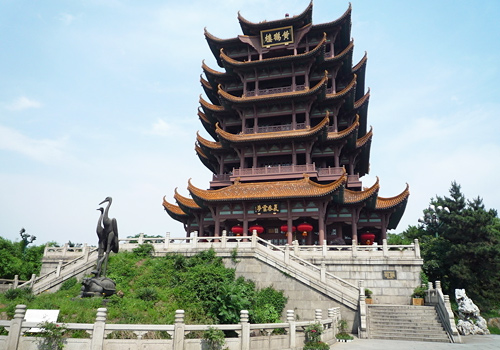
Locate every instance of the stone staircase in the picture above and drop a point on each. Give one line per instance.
(405, 322)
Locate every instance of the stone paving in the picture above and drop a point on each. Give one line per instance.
(471, 342)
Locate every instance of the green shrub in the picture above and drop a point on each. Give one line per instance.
(69, 283)
(147, 294)
(214, 338)
(52, 336)
(144, 250)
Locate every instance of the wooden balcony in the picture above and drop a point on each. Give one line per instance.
(278, 90)
(274, 128)
(284, 172)
(280, 172)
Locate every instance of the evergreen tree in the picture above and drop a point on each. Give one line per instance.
(462, 250)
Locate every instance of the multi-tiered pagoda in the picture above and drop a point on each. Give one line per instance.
(287, 111)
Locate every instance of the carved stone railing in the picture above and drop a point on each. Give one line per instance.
(436, 297)
(292, 339)
(278, 90)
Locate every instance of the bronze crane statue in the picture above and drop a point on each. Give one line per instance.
(110, 235)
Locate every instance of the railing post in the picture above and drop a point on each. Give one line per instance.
(167, 241)
(296, 247)
(323, 272)
(324, 248)
(254, 239)
(385, 248)
(65, 249)
(86, 252)
(194, 241)
(32, 280)
(290, 318)
(287, 254)
(58, 268)
(98, 333)
(179, 329)
(224, 238)
(16, 281)
(354, 251)
(141, 238)
(15, 327)
(245, 330)
(417, 249)
(317, 315)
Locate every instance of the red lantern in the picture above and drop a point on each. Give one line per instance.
(284, 228)
(305, 228)
(257, 228)
(237, 230)
(367, 238)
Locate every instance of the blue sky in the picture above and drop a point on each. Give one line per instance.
(99, 98)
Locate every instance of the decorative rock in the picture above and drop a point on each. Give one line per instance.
(470, 321)
(494, 322)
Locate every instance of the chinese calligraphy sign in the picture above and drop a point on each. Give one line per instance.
(266, 208)
(277, 36)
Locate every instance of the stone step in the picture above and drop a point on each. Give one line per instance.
(424, 337)
(405, 322)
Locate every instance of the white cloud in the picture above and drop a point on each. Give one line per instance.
(162, 128)
(43, 150)
(66, 18)
(22, 103)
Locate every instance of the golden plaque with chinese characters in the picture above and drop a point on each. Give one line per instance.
(276, 36)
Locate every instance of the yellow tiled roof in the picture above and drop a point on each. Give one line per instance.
(363, 140)
(200, 151)
(203, 117)
(304, 13)
(345, 15)
(205, 83)
(360, 63)
(362, 100)
(352, 197)
(174, 209)
(342, 54)
(187, 202)
(211, 106)
(209, 70)
(304, 188)
(337, 135)
(272, 135)
(387, 203)
(344, 91)
(245, 99)
(207, 143)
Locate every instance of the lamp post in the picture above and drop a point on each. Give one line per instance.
(431, 218)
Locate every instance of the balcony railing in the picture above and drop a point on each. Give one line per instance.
(275, 170)
(274, 128)
(278, 90)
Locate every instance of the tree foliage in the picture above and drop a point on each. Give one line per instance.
(17, 258)
(463, 249)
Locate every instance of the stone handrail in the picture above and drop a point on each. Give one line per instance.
(436, 297)
(293, 338)
(71, 268)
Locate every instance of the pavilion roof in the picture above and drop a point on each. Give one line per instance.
(362, 100)
(349, 88)
(366, 138)
(173, 210)
(209, 144)
(184, 201)
(353, 197)
(232, 63)
(303, 188)
(337, 135)
(250, 28)
(391, 202)
(275, 135)
(343, 54)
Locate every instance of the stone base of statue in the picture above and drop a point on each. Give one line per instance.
(97, 287)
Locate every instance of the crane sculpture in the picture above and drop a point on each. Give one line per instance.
(108, 239)
(107, 233)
